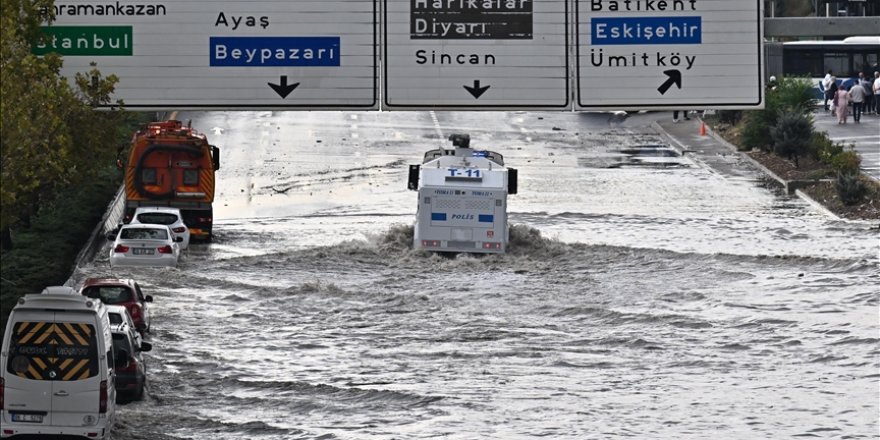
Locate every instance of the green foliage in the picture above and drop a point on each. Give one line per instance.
(822, 148)
(847, 162)
(731, 117)
(850, 187)
(756, 131)
(791, 95)
(791, 134)
(51, 136)
(792, 8)
(44, 253)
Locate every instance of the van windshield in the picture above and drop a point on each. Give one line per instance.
(44, 350)
(109, 294)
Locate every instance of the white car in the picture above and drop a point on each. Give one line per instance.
(120, 315)
(145, 245)
(160, 215)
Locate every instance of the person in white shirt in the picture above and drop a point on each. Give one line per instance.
(877, 93)
(826, 88)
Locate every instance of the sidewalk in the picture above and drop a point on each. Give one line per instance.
(865, 136)
(717, 154)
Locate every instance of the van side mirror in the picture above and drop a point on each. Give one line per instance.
(122, 358)
(512, 180)
(146, 346)
(178, 239)
(149, 298)
(111, 236)
(215, 157)
(413, 183)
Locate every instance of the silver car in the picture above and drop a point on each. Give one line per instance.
(145, 245)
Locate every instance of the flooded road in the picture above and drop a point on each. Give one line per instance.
(644, 295)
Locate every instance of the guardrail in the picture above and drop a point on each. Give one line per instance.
(112, 217)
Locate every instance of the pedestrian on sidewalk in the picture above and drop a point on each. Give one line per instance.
(857, 97)
(867, 83)
(831, 94)
(876, 88)
(826, 88)
(841, 104)
(675, 116)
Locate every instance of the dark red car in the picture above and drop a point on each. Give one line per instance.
(122, 292)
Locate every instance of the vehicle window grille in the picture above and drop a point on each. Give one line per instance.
(191, 177)
(478, 204)
(447, 204)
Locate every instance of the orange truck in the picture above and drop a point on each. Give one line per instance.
(173, 165)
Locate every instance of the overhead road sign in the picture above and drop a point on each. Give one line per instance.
(673, 54)
(476, 54)
(233, 54)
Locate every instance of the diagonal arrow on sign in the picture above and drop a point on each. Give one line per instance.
(674, 77)
(283, 89)
(476, 90)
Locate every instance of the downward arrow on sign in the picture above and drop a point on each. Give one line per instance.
(476, 90)
(283, 89)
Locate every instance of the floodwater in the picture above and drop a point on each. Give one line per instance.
(644, 295)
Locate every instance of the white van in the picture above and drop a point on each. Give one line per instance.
(57, 367)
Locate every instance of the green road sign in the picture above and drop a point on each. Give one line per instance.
(86, 40)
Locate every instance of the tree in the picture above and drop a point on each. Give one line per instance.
(49, 133)
(791, 134)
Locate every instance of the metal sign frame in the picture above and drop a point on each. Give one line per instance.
(580, 105)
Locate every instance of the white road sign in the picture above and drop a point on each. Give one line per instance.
(225, 54)
(476, 54)
(687, 54)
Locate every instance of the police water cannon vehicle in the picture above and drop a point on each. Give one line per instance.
(462, 204)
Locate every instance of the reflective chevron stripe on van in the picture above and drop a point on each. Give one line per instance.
(53, 351)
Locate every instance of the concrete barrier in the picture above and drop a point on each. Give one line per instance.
(112, 217)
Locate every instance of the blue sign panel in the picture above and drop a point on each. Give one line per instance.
(274, 51)
(438, 216)
(646, 30)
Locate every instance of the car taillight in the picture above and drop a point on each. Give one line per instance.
(179, 230)
(121, 249)
(102, 398)
(126, 219)
(135, 311)
(130, 368)
(165, 249)
(205, 219)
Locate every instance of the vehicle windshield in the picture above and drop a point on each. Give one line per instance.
(109, 294)
(157, 218)
(115, 318)
(41, 350)
(120, 342)
(143, 234)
